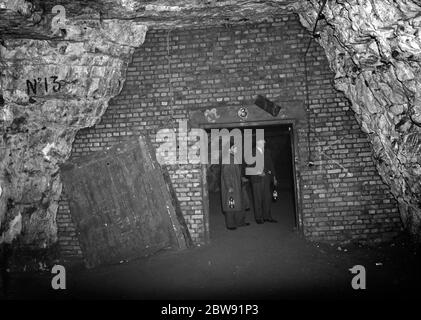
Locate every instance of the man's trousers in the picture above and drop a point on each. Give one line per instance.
(262, 197)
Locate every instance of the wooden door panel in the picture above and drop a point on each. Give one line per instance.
(122, 204)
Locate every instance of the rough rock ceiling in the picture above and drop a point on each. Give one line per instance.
(20, 18)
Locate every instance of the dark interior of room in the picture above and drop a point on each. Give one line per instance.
(278, 141)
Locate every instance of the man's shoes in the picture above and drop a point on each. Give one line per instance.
(271, 220)
(260, 221)
(232, 228)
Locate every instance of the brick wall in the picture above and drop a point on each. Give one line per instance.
(176, 72)
(67, 237)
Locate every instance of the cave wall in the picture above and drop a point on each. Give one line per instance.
(58, 78)
(374, 48)
(52, 85)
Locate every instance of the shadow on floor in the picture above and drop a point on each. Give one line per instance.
(268, 261)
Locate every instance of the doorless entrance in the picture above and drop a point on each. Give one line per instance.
(280, 141)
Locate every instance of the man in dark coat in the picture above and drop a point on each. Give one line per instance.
(233, 199)
(261, 185)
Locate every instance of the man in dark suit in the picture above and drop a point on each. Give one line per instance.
(234, 202)
(261, 185)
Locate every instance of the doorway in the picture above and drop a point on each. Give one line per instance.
(280, 141)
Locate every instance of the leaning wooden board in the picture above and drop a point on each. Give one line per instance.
(122, 205)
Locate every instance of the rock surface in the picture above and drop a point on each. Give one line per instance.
(374, 47)
(49, 90)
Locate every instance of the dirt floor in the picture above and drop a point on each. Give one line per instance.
(268, 261)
